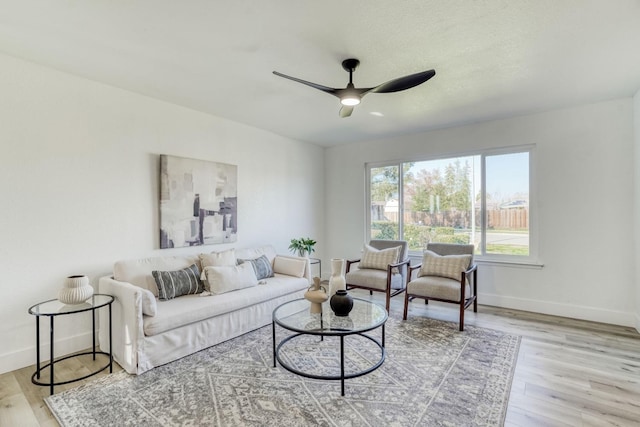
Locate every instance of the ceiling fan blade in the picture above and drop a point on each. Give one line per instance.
(345, 111)
(327, 89)
(403, 83)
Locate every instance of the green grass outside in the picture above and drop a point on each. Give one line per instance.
(507, 249)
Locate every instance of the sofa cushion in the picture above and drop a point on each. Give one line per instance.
(255, 252)
(218, 259)
(225, 279)
(437, 287)
(172, 284)
(289, 265)
(138, 271)
(374, 278)
(378, 259)
(261, 266)
(194, 308)
(449, 266)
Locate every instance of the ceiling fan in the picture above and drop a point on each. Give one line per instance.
(351, 96)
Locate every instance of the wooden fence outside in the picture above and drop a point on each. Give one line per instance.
(502, 219)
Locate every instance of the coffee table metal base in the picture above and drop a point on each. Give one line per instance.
(343, 375)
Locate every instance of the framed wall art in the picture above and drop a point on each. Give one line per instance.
(198, 202)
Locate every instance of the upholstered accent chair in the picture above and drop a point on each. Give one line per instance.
(447, 273)
(382, 267)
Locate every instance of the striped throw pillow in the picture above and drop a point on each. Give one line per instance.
(261, 266)
(172, 284)
(449, 266)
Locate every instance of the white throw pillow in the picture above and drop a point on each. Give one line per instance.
(379, 259)
(290, 266)
(444, 266)
(219, 259)
(224, 279)
(149, 303)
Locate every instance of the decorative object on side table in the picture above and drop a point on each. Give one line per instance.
(302, 246)
(337, 281)
(76, 290)
(341, 303)
(316, 295)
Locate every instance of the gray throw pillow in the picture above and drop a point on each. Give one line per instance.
(173, 284)
(261, 266)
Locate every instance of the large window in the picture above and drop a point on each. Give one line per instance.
(483, 199)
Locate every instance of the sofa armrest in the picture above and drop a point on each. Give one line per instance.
(127, 322)
(307, 268)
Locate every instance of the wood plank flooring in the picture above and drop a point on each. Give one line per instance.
(569, 372)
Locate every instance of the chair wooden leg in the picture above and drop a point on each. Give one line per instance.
(475, 290)
(388, 300)
(370, 292)
(462, 315)
(426, 301)
(406, 305)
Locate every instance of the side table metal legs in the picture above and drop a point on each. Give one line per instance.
(111, 342)
(51, 352)
(51, 341)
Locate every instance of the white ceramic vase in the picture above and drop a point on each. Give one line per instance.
(76, 290)
(337, 281)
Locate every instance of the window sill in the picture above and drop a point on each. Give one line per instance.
(516, 264)
(536, 265)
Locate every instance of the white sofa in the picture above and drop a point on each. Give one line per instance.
(188, 323)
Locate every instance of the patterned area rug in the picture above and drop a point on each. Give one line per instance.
(433, 375)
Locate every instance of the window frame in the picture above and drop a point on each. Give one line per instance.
(526, 260)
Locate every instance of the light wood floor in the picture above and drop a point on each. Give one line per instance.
(569, 372)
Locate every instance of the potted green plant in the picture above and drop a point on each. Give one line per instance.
(302, 246)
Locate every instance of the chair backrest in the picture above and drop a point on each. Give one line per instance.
(385, 244)
(452, 249)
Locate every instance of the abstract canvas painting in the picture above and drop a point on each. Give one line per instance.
(198, 202)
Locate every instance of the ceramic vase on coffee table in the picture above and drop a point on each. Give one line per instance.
(316, 295)
(337, 281)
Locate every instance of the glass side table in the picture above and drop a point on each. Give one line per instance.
(52, 309)
(318, 261)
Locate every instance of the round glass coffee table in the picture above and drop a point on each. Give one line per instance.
(295, 316)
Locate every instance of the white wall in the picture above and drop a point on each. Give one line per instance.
(584, 211)
(79, 189)
(636, 198)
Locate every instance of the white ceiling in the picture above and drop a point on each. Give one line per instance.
(493, 58)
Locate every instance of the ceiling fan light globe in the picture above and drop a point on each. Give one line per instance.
(350, 101)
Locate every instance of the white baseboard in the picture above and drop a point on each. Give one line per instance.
(563, 310)
(27, 356)
(638, 321)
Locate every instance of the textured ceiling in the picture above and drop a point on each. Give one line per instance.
(493, 58)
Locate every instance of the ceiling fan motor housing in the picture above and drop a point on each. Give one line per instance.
(350, 64)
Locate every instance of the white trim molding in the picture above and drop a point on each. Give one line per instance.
(562, 310)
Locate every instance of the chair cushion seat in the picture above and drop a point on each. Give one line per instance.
(437, 287)
(374, 279)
